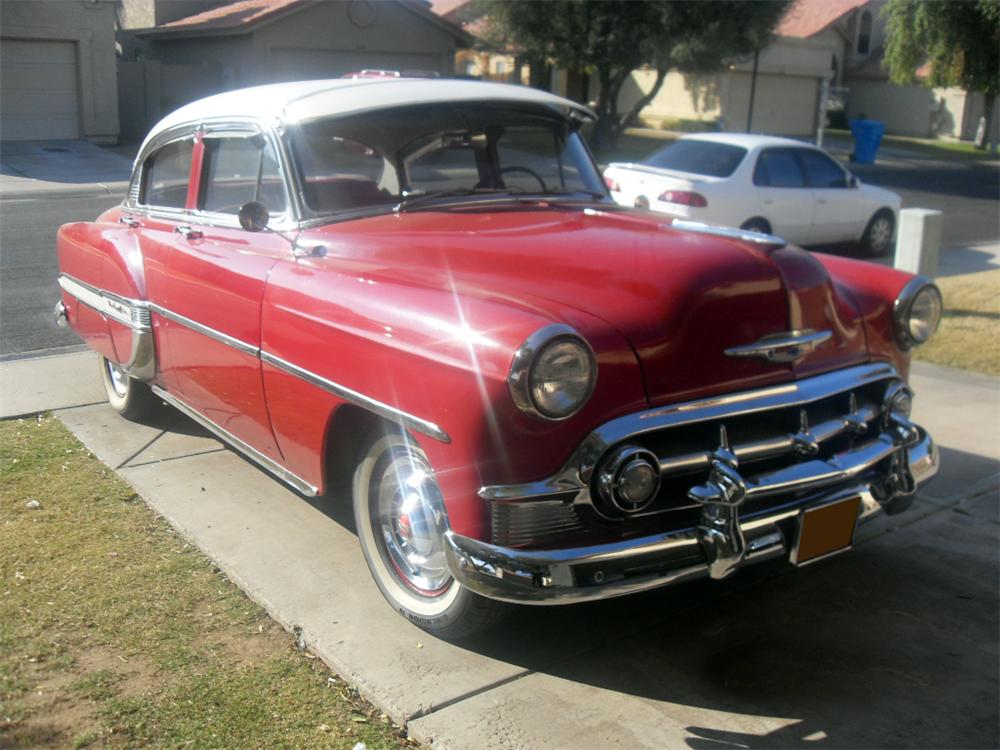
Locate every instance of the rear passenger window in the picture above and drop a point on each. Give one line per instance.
(166, 174)
(778, 167)
(238, 170)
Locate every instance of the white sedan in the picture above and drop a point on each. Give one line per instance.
(761, 183)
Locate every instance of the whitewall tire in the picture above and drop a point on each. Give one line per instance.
(131, 398)
(400, 521)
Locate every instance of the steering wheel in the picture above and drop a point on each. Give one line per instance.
(527, 171)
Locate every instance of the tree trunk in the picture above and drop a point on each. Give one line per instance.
(622, 123)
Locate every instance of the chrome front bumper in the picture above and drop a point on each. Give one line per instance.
(561, 576)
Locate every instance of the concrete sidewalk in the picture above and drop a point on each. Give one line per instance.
(61, 169)
(894, 643)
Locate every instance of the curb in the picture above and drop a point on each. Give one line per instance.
(59, 190)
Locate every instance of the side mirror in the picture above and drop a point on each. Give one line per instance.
(254, 216)
(852, 181)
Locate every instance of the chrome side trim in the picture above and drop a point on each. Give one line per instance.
(575, 474)
(782, 347)
(758, 238)
(130, 312)
(141, 363)
(253, 454)
(194, 325)
(384, 410)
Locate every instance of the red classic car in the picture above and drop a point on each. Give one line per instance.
(422, 289)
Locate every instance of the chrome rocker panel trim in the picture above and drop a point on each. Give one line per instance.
(250, 452)
(554, 576)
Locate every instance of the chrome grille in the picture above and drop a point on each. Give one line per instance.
(518, 524)
(773, 447)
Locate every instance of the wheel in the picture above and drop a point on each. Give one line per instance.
(531, 172)
(877, 239)
(398, 511)
(757, 225)
(641, 202)
(131, 398)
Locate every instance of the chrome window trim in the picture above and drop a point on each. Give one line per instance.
(366, 402)
(519, 373)
(576, 472)
(290, 478)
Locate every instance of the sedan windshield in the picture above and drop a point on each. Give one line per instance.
(428, 155)
(706, 158)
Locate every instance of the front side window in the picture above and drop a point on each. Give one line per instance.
(778, 168)
(821, 170)
(378, 160)
(237, 170)
(166, 174)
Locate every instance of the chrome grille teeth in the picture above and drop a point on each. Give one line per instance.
(804, 442)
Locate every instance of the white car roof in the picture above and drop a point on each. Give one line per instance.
(306, 100)
(746, 140)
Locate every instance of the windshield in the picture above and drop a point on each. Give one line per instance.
(414, 156)
(706, 158)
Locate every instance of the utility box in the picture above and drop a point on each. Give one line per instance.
(919, 241)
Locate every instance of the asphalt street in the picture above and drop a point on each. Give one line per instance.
(967, 194)
(28, 269)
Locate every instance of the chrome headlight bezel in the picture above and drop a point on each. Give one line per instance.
(916, 289)
(526, 357)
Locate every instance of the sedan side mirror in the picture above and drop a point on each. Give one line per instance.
(254, 216)
(852, 181)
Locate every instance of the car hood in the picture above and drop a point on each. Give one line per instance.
(680, 298)
(881, 196)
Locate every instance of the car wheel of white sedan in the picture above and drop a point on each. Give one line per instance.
(877, 239)
(398, 512)
(757, 225)
(131, 398)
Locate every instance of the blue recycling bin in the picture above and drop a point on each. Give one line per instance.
(867, 137)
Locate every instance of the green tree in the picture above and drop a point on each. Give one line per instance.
(960, 40)
(609, 39)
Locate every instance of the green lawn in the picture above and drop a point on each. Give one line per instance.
(116, 633)
(969, 336)
(930, 148)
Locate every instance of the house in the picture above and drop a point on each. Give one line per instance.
(57, 70)
(229, 45)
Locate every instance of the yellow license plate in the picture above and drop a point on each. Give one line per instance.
(827, 529)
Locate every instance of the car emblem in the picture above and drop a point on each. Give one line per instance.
(787, 346)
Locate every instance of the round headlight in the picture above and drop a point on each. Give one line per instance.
(553, 373)
(918, 312)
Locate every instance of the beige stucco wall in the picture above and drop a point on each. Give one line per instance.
(91, 27)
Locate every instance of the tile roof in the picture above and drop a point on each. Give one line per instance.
(806, 18)
(231, 15)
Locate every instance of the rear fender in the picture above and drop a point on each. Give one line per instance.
(103, 288)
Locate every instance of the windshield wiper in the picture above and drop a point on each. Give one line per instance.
(413, 198)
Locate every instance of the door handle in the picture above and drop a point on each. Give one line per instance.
(189, 233)
(821, 200)
(768, 201)
(130, 221)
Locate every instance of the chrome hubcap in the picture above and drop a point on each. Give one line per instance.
(881, 233)
(406, 514)
(119, 378)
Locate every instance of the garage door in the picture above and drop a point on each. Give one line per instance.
(39, 90)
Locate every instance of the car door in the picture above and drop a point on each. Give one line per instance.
(217, 273)
(837, 205)
(783, 196)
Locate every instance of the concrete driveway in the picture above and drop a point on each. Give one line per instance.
(892, 645)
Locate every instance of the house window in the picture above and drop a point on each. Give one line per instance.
(500, 67)
(470, 68)
(865, 34)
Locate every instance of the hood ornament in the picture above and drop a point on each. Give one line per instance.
(787, 346)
